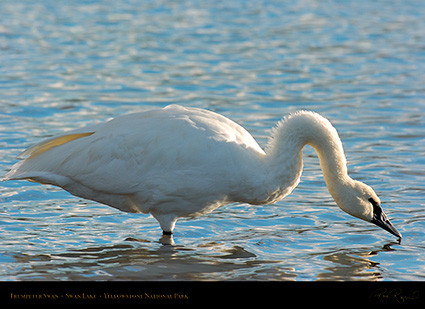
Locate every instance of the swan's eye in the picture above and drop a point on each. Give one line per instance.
(377, 210)
(373, 202)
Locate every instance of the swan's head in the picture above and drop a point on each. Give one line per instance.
(359, 200)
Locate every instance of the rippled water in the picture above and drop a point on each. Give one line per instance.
(359, 63)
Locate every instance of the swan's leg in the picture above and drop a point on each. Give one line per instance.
(166, 221)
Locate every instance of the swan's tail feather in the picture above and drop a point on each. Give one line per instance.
(29, 172)
(51, 143)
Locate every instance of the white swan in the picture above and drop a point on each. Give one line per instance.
(184, 162)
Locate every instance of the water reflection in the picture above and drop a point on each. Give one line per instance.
(349, 265)
(142, 259)
(167, 240)
(164, 239)
(136, 260)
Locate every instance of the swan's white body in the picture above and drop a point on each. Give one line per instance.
(178, 162)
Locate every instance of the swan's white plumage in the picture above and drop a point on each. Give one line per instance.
(176, 162)
(170, 162)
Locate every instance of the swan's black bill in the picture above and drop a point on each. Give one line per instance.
(381, 220)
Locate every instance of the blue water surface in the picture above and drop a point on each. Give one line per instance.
(66, 64)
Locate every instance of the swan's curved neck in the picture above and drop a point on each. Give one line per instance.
(284, 152)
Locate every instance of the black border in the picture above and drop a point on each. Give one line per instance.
(211, 292)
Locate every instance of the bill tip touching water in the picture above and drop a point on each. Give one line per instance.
(184, 162)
